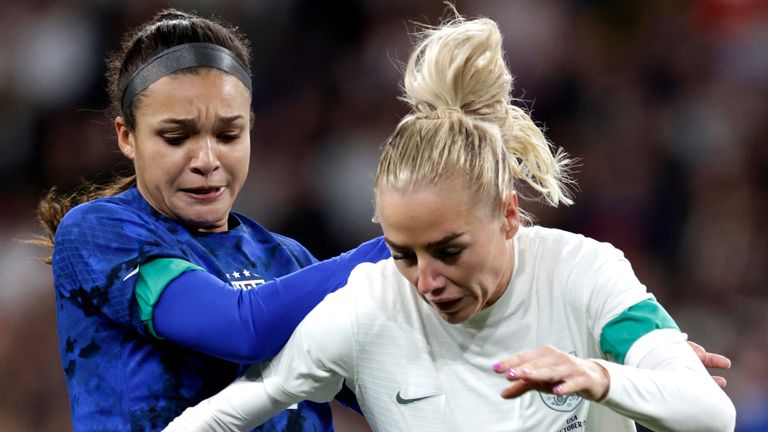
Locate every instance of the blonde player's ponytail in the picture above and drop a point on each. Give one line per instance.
(463, 121)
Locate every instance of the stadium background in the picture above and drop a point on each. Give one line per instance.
(664, 102)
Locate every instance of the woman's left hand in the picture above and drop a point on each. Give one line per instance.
(550, 370)
(712, 360)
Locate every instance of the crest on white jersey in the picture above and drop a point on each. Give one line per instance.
(562, 403)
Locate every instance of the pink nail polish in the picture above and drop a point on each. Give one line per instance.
(527, 371)
(559, 389)
(498, 367)
(511, 373)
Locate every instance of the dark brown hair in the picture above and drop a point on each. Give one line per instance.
(165, 30)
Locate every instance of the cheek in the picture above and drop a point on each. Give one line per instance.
(157, 157)
(238, 160)
(164, 165)
(481, 264)
(481, 271)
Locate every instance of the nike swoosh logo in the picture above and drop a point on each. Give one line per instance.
(403, 401)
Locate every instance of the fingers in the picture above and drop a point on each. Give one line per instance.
(720, 381)
(550, 370)
(698, 349)
(517, 360)
(517, 388)
(524, 383)
(530, 370)
(716, 361)
(521, 363)
(710, 360)
(543, 372)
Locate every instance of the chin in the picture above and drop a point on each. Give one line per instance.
(456, 318)
(206, 223)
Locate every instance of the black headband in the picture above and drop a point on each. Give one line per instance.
(198, 54)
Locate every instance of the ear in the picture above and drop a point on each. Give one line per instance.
(511, 216)
(125, 139)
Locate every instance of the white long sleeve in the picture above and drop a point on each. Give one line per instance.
(241, 406)
(309, 367)
(664, 386)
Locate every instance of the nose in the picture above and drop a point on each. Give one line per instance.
(429, 278)
(204, 158)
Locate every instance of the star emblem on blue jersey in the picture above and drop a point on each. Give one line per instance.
(244, 279)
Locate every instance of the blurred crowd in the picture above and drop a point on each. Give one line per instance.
(664, 103)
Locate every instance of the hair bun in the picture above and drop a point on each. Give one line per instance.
(459, 65)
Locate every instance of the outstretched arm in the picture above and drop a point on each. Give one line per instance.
(196, 308)
(241, 406)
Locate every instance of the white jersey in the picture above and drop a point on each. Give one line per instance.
(412, 371)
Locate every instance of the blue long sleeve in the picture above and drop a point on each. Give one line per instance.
(203, 313)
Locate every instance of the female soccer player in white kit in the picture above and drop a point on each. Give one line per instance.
(475, 302)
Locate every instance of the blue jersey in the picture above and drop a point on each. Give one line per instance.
(119, 376)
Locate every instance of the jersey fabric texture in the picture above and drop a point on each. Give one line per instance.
(119, 377)
(413, 371)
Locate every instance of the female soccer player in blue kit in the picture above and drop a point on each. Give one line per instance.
(163, 293)
(133, 359)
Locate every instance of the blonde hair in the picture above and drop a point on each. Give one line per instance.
(463, 122)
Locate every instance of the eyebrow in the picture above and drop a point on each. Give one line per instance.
(189, 122)
(447, 239)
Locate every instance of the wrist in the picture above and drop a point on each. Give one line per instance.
(602, 380)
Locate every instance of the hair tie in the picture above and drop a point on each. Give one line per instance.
(441, 113)
(190, 55)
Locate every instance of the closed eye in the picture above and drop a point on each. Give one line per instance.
(228, 138)
(175, 139)
(408, 258)
(449, 255)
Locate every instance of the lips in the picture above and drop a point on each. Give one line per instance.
(446, 305)
(204, 193)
